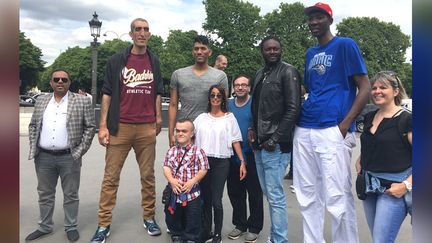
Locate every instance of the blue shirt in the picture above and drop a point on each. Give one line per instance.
(328, 76)
(243, 116)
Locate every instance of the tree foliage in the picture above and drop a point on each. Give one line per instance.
(289, 24)
(383, 45)
(236, 27)
(30, 63)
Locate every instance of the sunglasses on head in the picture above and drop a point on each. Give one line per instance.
(64, 80)
(215, 96)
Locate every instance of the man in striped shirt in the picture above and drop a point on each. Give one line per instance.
(184, 166)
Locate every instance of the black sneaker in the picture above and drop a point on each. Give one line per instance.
(72, 235)
(176, 239)
(101, 234)
(217, 238)
(36, 235)
(152, 227)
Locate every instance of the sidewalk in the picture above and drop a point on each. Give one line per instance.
(127, 219)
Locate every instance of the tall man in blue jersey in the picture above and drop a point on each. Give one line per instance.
(324, 137)
(238, 189)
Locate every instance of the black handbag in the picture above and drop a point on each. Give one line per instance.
(166, 193)
(361, 185)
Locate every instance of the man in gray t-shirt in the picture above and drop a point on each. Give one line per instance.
(191, 85)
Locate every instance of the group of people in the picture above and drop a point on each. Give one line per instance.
(246, 141)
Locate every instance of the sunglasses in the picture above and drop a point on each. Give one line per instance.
(64, 80)
(215, 96)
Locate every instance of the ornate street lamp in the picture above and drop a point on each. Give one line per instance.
(95, 27)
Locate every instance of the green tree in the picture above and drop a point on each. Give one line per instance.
(30, 63)
(289, 24)
(383, 45)
(177, 53)
(77, 61)
(236, 27)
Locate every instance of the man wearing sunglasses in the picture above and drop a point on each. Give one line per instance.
(131, 117)
(60, 131)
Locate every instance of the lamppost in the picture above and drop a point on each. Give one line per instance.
(95, 26)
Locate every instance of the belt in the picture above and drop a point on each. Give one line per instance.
(56, 152)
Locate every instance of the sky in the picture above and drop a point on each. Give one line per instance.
(54, 25)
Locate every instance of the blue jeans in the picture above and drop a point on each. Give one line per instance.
(384, 215)
(186, 220)
(271, 170)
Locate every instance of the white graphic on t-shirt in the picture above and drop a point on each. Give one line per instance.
(320, 62)
(131, 78)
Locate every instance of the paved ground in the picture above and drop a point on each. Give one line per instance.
(127, 221)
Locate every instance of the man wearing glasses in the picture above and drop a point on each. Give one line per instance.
(60, 131)
(130, 118)
(324, 137)
(251, 226)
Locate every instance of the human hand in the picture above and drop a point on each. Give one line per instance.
(172, 140)
(250, 135)
(243, 171)
(187, 187)
(268, 145)
(397, 190)
(343, 129)
(176, 186)
(158, 125)
(103, 136)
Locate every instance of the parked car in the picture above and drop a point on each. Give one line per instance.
(359, 120)
(26, 101)
(407, 104)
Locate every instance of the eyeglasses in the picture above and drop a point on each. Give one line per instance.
(241, 85)
(139, 29)
(64, 80)
(212, 95)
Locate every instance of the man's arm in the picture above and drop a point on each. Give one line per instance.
(158, 114)
(362, 83)
(89, 126)
(291, 92)
(172, 115)
(103, 134)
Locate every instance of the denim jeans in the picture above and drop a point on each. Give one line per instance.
(384, 215)
(48, 169)
(271, 170)
(186, 220)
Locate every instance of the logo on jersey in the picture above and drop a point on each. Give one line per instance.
(320, 62)
(131, 78)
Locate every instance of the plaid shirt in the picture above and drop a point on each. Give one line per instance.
(194, 161)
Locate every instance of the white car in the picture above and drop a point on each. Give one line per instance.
(407, 104)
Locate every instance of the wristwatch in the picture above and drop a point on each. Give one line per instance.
(408, 185)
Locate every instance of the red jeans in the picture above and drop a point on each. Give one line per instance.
(142, 138)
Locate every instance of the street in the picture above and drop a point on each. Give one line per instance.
(127, 215)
